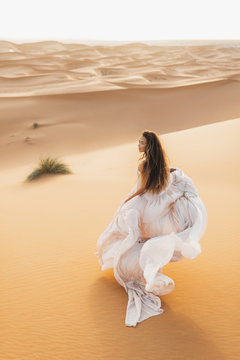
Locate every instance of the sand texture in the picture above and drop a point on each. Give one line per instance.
(91, 104)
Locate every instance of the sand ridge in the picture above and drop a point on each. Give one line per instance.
(51, 67)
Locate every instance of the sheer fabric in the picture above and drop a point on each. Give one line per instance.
(147, 233)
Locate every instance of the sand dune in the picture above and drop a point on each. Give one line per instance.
(55, 302)
(101, 119)
(50, 67)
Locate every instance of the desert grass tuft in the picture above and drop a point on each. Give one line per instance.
(48, 165)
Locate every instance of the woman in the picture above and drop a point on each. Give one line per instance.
(161, 220)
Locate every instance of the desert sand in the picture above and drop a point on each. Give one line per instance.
(91, 104)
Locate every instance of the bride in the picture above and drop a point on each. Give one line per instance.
(161, 220)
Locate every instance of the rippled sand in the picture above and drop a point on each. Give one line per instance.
(45, 68)
(91, 103)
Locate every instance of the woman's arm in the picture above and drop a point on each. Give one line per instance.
(140, 166)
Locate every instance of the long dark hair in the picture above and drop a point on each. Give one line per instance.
(155, 171)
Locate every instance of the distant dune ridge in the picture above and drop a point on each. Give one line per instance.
(90, 104)
(52, 67)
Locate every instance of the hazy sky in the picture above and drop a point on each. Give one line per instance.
(119, 20)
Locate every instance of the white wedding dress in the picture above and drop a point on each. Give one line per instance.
(168, 225)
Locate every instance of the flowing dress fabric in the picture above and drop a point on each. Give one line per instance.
(146, 233)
